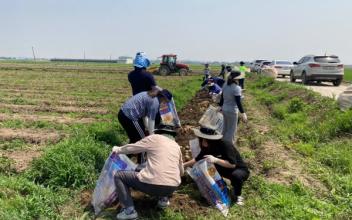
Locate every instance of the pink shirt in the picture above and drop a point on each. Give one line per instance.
(164, 160)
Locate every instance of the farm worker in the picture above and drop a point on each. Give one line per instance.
(139, 78)
(224, 156)
(222, 71)
(139, 112)
(231, 104)
(220, 82)
(243, 70)
(228, 71)
(213, 87)
(160, 177)
(206, 71)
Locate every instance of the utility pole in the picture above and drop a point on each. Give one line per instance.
(84, 55)
(33, 53)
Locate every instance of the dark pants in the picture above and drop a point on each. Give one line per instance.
(134, 129)
(241, 83)
(237, 177)
(128, 179)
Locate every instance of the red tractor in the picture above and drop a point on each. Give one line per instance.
(168, 65)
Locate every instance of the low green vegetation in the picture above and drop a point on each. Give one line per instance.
(348, 75)
(314, 127)
(20, 198)
(299, 119)
(65, 169)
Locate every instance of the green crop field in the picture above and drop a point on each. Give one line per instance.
(58, 123)
(348, 75)
(64, 115)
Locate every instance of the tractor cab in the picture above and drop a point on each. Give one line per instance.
(169, 65)
(169, 61)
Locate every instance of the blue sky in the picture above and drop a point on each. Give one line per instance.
(225, 30)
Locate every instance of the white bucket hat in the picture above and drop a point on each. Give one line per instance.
(207, 133)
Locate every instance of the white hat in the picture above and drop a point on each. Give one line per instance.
(207, 133)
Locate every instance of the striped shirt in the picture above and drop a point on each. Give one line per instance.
(141, 105)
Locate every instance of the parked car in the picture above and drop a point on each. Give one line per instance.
(283, 67)
(318, 68)
(262, 65)
(255, 65)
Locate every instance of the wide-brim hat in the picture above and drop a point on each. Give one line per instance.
(207, 133)
(236, 74)
(162, 129)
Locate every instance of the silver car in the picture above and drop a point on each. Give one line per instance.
(263, 64)
(283, 67)
(318, 68)
(256, 65)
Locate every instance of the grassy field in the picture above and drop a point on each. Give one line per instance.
(64, 115)
(348, 75)
(297, 143)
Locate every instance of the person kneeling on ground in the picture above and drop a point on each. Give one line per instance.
(160, 177)
(224, 155)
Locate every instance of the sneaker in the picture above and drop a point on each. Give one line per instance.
(123, 215)
(240, 201)
(163, 202)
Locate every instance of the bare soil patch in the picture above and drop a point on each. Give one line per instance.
(43, 108)
(48, 118)
(190, 116)
(62, 102)
(22, 158)
(34, 136)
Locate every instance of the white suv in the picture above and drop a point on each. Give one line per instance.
(318, 68)
(283, 67)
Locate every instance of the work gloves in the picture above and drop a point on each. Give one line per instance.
(211, 159)
(244, 117)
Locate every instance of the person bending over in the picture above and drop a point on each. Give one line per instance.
(139, 112)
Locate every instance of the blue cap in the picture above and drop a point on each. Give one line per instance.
(141, 61)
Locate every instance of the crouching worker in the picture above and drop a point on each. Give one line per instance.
(160, 177)
(226, 158)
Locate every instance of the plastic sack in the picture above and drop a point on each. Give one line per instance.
(105, 190)
(194, 146)
(168, 114)
(212, 118)
(345, 99)
(210, 184)
(216, 98)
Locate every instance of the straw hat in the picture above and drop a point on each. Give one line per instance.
(207, 133)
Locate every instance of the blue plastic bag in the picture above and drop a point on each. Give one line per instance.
(211, 185)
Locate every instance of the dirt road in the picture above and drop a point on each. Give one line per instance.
(325, 88)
